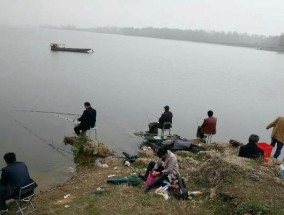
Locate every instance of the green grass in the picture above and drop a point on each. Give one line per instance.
(252, 207)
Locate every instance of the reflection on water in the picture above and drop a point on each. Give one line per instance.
(126, 78)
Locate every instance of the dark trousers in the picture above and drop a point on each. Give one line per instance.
(150, 167)
(278, 147)
(79, 128)
(153, 127)
(4, 195)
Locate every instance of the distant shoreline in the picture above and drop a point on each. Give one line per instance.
(210, 38)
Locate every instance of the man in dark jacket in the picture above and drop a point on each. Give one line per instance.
(251, 150)
(14, 176)
(167, 116)
(87, 120)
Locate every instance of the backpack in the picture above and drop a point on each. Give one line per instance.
(179, 192)
(133, 180)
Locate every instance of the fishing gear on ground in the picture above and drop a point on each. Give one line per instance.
(128, 158)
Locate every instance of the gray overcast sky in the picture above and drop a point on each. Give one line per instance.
(251, 16)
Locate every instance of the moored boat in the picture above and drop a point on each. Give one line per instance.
(61, 47)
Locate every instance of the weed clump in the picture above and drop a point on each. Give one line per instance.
(251, 207)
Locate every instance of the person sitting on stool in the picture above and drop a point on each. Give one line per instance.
(87, 120)
(167, 116)
(208, 126)
(14, 176)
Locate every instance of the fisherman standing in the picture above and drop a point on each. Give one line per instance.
(87, 120)
(167, 116)
(277, 136)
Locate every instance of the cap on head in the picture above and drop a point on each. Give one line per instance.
(253, 138)
(167, 107)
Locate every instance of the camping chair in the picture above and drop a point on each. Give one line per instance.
(208, 138)
(24, 199)
(166, 127)
(89, 132)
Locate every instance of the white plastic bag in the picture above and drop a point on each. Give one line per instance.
(282, 170)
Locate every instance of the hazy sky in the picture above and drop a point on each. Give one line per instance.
(252, 16)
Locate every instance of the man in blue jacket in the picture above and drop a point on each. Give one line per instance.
(14, 176)
(87, 120)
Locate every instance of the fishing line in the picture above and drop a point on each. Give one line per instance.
(59, 150)
(147, 116)
(198, 119)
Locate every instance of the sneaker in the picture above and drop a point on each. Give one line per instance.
(147, 189)
(4, 211)
(142, 177)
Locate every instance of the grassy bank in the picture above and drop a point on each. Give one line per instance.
(230, 185)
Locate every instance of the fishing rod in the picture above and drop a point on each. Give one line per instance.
(147, 116)
(58, 114)
(66, 118)
(198, 119)
(152, 114)
(38, 111)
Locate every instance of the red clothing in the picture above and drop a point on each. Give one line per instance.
(209, 125)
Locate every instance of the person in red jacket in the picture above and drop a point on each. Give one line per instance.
(209, 124)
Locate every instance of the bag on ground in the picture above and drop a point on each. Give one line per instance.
(179, 192)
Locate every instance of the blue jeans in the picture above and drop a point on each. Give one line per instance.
(278, 147)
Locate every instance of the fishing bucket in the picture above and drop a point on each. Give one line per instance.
(267, 149)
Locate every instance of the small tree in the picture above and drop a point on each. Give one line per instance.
(281, 42)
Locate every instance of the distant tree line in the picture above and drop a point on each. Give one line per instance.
(275, 43)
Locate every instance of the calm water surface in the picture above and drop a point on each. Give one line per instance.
(128, 80)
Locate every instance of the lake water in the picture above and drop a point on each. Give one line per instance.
(128, 80)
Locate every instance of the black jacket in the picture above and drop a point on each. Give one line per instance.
(14, 176)
(88, 119)
(167, 116)
(250, 150)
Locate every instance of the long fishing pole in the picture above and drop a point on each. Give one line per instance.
(58, 114)
(147, 116)
(199, 120)
(66, 118)
(39, 111)
(152, 114)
